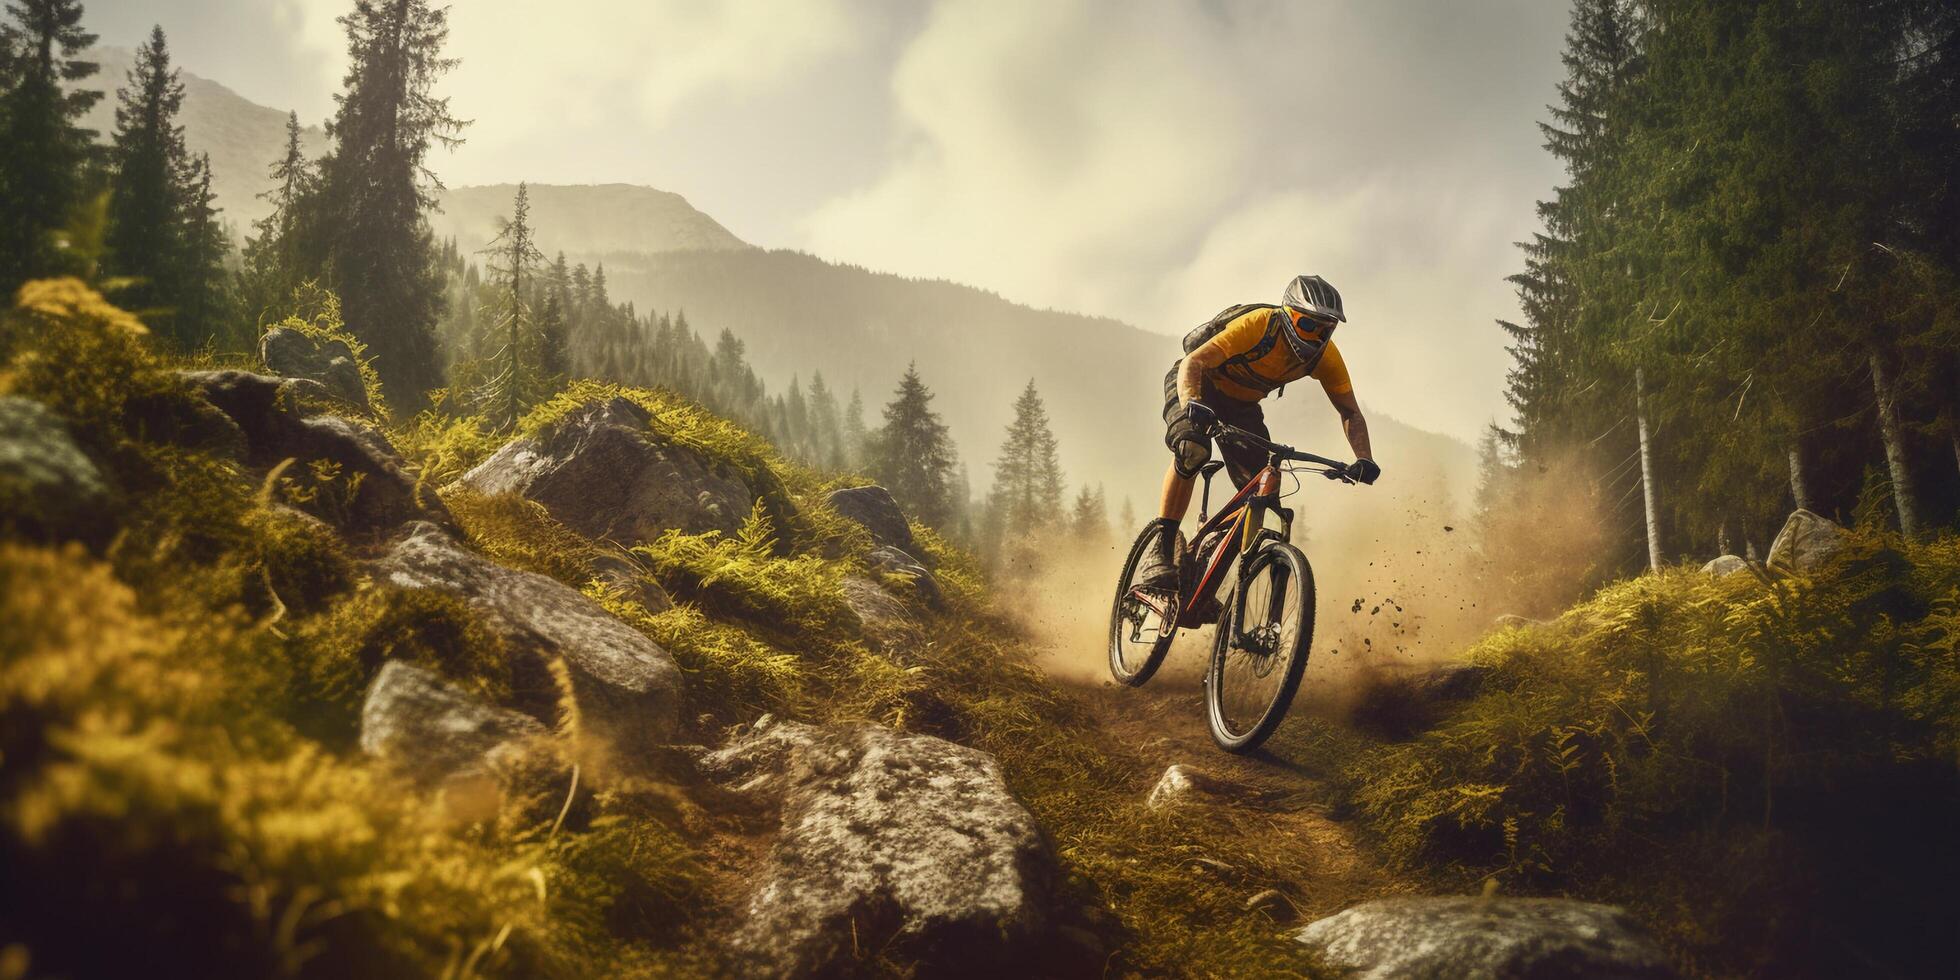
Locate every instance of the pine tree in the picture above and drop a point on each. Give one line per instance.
(271, 260)
(826, 438)
(366, 226)
(554, 355)
(146, 203)
(517, 379)
(912, 454)
(1089, 518)
(45, 154)
(1028, 472)
(208, 310)
(854, 437)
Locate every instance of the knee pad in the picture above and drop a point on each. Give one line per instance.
(1192, 455)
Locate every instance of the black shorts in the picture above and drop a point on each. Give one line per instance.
(1189, 450)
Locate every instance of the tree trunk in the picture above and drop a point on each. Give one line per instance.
(1953, 433)
(1892, 431)
(1799, 480)
(1647, 471)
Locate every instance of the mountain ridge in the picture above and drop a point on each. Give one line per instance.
(800, 313)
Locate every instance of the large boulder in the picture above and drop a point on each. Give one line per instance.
(1442, 938)
(888, 841)
(625, 689)
(424, 725)
(49, 489)
(371, 491)
(1806, 541)
(1724, 566)
(874, 509)
(603, 472)
(293, 354)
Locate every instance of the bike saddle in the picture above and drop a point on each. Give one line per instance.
(1211, 467)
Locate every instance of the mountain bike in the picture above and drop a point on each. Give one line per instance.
(1265, 626)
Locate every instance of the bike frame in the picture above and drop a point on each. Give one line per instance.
(1245, 514)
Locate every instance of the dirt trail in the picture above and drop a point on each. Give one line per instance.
(1164, 722)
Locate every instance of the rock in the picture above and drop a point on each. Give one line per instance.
(1183, 784)
(878, 611)
(293, 354)
(423, 724)
(255, 402)
(371, 492)
(1806, 541)
(874, 509)
(621, 572)
(889, 842)
(183, 418)
(626, 689)
(49, 488)
(1725, 566)
(892, 561)
(602, 472)
(1498, 938)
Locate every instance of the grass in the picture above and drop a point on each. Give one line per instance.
(1759, 765)
(1732, 758)
(180, 712)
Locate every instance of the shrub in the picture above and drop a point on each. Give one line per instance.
(741, 575)
(1759, 744)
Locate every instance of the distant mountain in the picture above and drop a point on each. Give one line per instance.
(800, 314)
(1102, 379)
(594, 218)
(242, 137)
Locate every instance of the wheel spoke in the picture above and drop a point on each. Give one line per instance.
(1256, 650)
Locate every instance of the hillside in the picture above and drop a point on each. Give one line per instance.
(1102, 379)
(623, 691)
(595, 219)
(242, 137)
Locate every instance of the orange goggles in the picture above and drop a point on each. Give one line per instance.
(1307, 322)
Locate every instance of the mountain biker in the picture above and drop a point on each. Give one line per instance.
(1223, 380)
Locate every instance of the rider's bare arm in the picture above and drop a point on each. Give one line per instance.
(1191, 370)
(1352, 422)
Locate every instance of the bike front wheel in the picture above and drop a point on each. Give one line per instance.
(1141, 624)
(1260, 649)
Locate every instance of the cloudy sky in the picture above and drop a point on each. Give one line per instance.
(1147, 159)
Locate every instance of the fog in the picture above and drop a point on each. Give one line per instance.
(1151, 161)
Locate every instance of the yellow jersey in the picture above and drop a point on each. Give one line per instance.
(1250, 381)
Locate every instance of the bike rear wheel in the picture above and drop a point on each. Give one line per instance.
(1140, 634)
(1261, 648)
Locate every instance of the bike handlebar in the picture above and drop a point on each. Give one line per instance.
(1336, 470)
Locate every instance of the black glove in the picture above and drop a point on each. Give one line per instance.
(1364, 470)
(1200, 415)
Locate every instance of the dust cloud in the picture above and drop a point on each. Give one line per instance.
(1402, 582)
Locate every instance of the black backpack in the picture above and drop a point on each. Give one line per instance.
(1236, 368)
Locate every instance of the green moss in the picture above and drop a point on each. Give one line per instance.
(742, 575)
(303, 562)
(520, 533)
(316, 316)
